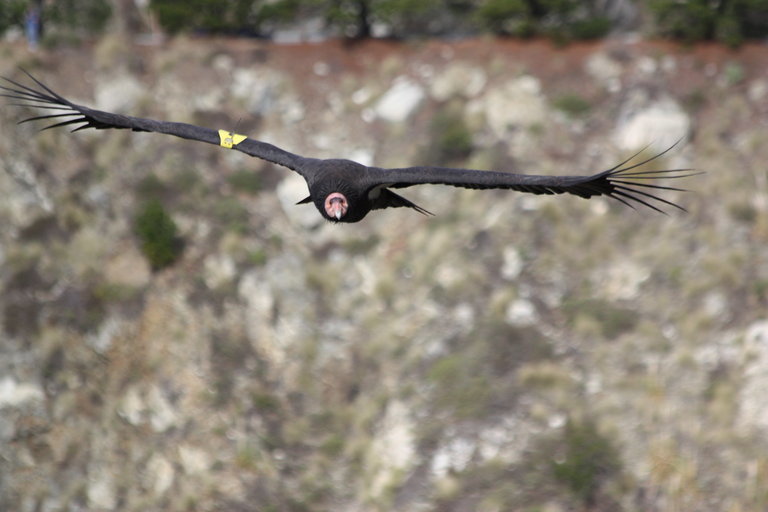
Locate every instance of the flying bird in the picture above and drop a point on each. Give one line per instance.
(345, 191)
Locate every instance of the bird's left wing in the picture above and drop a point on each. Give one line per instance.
(80, 117)
(628, 184)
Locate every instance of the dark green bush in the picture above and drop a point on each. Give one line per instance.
(572, 104)
(730, 22)
(589, 460)
(590, 28)
(510, 17)
(11, 13)
(562, 20)
(450, 137)
(355, 18)
(81, 16)
(158, 233)
(234, 17)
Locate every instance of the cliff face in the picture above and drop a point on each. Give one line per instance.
(510, 353)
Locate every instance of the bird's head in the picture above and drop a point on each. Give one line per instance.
(338, 190)
(335, 205)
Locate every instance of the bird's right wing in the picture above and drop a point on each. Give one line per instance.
(81, 118)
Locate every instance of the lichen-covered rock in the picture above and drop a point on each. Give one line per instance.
(659, 123)
(400, 101)
(290, 191)
(605, 70)
(16, 394)
(752, 411)
(393, 450)
(518, 103)
(459, 79)
(118, 93)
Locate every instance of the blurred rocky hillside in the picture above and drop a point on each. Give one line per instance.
(512, 352)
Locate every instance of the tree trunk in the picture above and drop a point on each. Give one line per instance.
(363, 20)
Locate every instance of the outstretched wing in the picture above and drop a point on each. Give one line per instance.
(628, 184)
(80, 118)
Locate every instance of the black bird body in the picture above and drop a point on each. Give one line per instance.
(346, 191)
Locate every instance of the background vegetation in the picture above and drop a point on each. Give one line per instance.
(728, 21)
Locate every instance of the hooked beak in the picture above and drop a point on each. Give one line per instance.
(336, 205)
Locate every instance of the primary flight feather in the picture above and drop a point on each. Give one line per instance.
(345, 191)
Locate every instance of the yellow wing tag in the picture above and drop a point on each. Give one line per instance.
(229, 139)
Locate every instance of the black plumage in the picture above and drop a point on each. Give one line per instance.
(345, 191)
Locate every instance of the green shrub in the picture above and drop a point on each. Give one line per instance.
(258, 257)
(246, 180)
(696, 20)
(158, 233)
(589, 459)
(562, 20)
(450, 137)
(590, 28)
(234, 16)
(84, 17)
(11, 14)
(612, 320)
(355, 18)
(572, 104)
(510, 17)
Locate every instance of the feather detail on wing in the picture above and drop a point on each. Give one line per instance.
(627, 184)
(66, 113)
(388, 199)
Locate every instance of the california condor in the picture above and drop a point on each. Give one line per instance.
(345, 191)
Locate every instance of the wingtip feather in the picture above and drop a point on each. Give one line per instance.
(624, 181)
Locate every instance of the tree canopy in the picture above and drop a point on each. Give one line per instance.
(727, 21)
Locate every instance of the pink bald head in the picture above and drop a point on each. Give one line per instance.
(336, 205)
